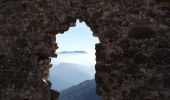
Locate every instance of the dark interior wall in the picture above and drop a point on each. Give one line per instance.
(133, 58)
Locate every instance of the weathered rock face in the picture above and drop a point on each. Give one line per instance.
(133, 58)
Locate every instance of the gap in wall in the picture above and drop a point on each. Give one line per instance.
(75, 62)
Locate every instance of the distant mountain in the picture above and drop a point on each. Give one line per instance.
(83, 91)
(66, 75)
(72, 52)
(76, 57)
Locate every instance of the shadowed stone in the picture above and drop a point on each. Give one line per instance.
(161, 56)
(141, 33)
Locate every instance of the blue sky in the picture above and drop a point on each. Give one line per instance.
(78, 38)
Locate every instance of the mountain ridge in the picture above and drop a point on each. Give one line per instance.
(72, 52)
(85, 90)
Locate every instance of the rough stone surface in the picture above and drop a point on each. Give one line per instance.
(133, 58)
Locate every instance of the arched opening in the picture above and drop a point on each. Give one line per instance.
(75, 63)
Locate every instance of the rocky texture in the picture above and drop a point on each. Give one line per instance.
(133, 58)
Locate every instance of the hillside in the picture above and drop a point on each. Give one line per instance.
(83, 91)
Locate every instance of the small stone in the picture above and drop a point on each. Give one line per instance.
(54, 94)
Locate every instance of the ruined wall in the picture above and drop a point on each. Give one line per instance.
(133, 58)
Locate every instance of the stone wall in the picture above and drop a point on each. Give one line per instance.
(133, 58)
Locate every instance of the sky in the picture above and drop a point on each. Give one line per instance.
(78, 38)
